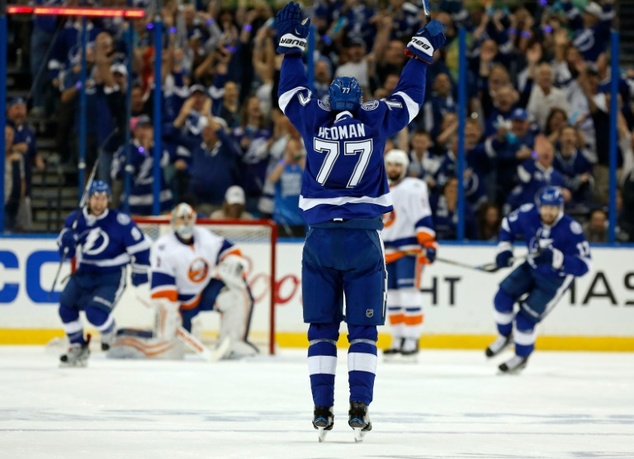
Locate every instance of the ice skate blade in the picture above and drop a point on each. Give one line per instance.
(321, 434)
(358, 434)
(79, 364)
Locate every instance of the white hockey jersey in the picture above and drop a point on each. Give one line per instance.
(180, 272)
(409, 226)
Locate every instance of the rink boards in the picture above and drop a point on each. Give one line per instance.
(596, 314)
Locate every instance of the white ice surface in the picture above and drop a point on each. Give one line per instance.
(449, 405)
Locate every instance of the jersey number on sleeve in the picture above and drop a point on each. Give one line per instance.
(361, 147)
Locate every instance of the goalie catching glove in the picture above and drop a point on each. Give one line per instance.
(426, 41)
(291, 30)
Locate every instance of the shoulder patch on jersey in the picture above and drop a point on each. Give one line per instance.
(575, 227)
(123, 219)
(526, 207)
(323, 105)
(370, 105)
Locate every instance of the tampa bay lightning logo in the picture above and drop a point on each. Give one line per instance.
(540, 241)
(96, 242)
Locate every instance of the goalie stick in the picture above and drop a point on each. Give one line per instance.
(194, 343)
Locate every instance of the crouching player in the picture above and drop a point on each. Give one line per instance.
(108, 241)
(558, 252)
(193, 270)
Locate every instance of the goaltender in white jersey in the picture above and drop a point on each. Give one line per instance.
(194, 270)
(410, 243)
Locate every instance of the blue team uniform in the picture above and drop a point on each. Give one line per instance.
(542, 284)
(107, 243)
(344, 194)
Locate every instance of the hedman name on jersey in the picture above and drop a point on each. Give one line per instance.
(345, 131)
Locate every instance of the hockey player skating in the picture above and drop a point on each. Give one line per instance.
(558, 252)
(344, 194)
(104, 242)
(410, 244)
(193, 270)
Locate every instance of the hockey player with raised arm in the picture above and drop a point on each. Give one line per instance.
(195, 270)
(103, 241)
(558, 252)
(343, 197)
(410, 244)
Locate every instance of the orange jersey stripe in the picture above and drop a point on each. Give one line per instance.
(168, 294)
(413, 320)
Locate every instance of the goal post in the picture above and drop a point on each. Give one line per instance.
(257, 239)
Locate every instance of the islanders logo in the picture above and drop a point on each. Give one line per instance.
(198, 270)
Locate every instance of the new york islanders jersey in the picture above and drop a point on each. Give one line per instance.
(180, 271)
(565, 235)
(108, 242)
(410, 224)
(345, 176)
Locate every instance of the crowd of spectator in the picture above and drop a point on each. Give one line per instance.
(538, 106)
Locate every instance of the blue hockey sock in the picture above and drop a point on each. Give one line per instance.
(362, 362)
(524, 335)
(322, 362)
(72, 326)
(503, 304)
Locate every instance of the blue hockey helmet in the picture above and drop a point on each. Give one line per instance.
(345, 94)
(99, 186)
(550, 196)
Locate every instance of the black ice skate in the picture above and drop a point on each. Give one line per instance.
(359, 420)
(514, 365)
(497, 346)
(77, 355)
(323, 421)
(107, 339)
(394, 351)
(409, 350)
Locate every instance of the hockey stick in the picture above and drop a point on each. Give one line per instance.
(425, 5)
(194, 343)
(487, 267)
(82, 203)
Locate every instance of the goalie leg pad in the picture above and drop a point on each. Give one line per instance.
(235, 306)
(133, 346)
(167, 319)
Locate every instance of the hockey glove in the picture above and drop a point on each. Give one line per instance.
(426, 41)
(504, 259)
(139, 278)
(430, 254)
(68, 244)
(550, 257)
(291, 30)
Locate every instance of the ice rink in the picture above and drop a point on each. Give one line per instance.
(452, 404)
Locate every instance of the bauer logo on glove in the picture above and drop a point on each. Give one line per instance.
(291, 29)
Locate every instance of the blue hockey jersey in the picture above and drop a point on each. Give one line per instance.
(108, 242)
(565, 235)
(345, 176)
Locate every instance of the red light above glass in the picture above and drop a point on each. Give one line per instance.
(129, 13)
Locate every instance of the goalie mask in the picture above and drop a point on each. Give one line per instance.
(398, 157)
(183, 220)
(345, 94)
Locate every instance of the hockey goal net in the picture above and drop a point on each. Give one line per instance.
(257, 240)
